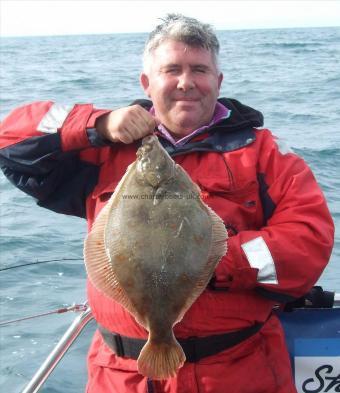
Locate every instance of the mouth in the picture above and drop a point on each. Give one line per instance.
(187, 99)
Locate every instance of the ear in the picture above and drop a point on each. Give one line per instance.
(144, 81)
(220, 79)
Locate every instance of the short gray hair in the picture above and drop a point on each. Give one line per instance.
(181, 28)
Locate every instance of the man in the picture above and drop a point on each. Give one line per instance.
(281, 232)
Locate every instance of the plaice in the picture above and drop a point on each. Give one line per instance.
(153, 248)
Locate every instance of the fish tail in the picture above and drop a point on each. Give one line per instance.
(160, 360)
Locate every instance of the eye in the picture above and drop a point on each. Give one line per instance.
(172, 71)
(200, 70)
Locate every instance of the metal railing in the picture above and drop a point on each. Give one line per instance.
(58, 352)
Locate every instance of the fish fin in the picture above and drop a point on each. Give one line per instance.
(97, 262)
(218, 249)
(219, 239)
(160, 360)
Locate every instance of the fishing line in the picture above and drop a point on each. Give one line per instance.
(74, 307)
(39, 262)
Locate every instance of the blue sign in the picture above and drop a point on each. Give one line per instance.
(313, 339)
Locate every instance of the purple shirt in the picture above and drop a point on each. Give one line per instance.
(220, 113)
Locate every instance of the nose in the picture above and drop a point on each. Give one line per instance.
(185, 82)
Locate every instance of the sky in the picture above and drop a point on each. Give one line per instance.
(64, 17)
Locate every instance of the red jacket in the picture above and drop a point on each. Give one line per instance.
(281, 232)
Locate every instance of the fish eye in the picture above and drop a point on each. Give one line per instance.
(147, 147)
(153, 178)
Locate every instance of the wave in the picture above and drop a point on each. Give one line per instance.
(292, 45)
(325, 162)
(302, 117)
(333, 79)
(323, 152)
(83, 81)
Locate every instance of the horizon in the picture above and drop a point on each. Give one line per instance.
(147, 32)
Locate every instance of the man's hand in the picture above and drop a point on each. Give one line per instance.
(126, 124)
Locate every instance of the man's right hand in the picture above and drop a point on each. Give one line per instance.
(126, 124)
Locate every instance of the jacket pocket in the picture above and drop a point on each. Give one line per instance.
(239, 206)
(218, 186)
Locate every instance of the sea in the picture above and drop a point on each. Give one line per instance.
(291, 75)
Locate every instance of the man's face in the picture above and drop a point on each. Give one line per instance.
(183, 83)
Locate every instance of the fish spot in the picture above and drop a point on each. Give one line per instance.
(129, 282)
(121, 258)
(184, 278)
(198, 239)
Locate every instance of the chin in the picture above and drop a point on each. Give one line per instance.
(187, 121)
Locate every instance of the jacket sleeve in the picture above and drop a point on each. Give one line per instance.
(40, 153)
(285, 258)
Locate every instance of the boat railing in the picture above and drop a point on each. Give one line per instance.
(59, 351)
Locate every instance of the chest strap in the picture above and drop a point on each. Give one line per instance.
(195, 348)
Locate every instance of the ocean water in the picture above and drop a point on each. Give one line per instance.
(291, 75)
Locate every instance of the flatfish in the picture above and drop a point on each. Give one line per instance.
(153, 248)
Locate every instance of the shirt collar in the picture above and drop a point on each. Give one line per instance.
(221, 112)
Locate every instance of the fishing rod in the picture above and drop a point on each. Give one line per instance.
(74, 307)
(39, 262)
